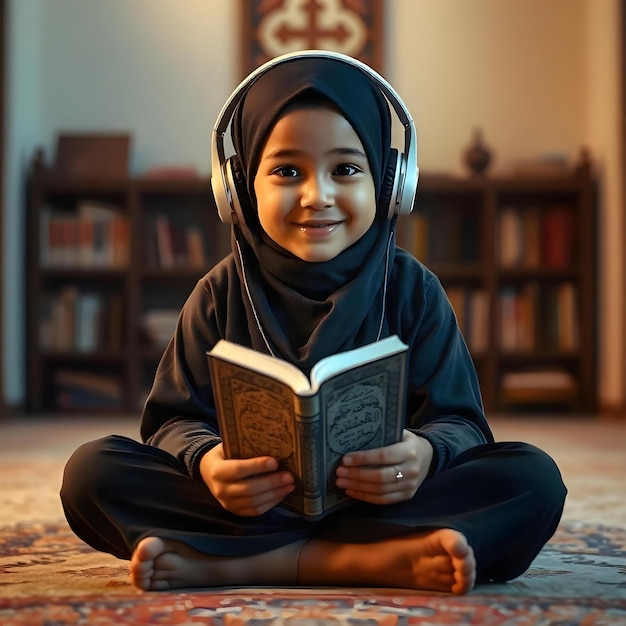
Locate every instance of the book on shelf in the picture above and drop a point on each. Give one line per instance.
(538, 386)
(103, 235)
(58, 237)
(527, 302)
(511, 237)
(558, 237)
(444, 241)
(412, 235)
(568, 322)
(458, 300)
(535, 316)
(165, 242)
(471, 308)
(531, 225)
(74, 389)
(533, 236)
(88, 310)
(93, 235)
(508, 319)
(81, 321)
(477, 326)
(353, 400)
(176, 245)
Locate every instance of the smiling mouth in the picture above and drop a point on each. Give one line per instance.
(318, 231)
(321, 226)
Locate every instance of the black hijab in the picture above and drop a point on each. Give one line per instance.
(299, 310)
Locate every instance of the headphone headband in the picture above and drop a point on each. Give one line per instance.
(405, 184)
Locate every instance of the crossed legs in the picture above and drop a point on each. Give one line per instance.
(439, 560)
(503, 501)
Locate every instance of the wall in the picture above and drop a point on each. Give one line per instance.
(604, 111)
(522, 70)
(512, 67)
(23, 109)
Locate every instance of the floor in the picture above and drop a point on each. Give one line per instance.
(590, 451)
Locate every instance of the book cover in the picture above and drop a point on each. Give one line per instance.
(532, 237)
(354, 400)
(511, 233)
(568, 322)
(478, 323)
(558, 230)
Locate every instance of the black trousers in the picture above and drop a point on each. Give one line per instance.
(506, 498)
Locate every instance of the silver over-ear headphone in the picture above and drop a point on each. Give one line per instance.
(403, 187)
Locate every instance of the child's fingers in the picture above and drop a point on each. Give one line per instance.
(240, 469)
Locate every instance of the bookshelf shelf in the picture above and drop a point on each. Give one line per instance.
(526, 308)
(517, 274)
(457, 272)
(88, 348)
(169, 275)
(516, 255)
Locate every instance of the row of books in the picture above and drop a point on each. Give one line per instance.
(529, 236)
(75, 320)
(534, 316)
(441, 236)
(169, 245)
(471, 307)
(95, 235)
(533, 236)
(550, 386)
(82, 390)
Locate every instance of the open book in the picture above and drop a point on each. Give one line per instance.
(354, 400)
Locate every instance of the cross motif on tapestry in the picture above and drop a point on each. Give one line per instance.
(274, 27)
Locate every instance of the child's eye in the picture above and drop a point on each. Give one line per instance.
(346, 169)
(285, 171)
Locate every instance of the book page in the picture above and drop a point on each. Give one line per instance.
(343, 361)
(261, 363)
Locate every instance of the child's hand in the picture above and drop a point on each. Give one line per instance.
(386, 475)
(245, 486)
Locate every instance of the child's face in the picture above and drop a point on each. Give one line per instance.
(314, 188)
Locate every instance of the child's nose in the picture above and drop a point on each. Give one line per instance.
(318, 192)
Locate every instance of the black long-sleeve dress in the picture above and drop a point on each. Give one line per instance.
(507, 498)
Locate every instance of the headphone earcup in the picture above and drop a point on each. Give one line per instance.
(239, 197)
(389, 186)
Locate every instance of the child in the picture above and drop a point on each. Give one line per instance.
(314, 271)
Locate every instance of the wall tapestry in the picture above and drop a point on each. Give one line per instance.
(274, 27)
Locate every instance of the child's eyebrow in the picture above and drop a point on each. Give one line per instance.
(291, 152)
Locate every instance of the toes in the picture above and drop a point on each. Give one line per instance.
(465, 573)
(160, 585)
(142, 566)
(149, 549)
(462, 559)
(455, 544)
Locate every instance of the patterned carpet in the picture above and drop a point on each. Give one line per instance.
(49, 577)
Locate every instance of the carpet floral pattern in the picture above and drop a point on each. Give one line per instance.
(48, 577)
(579, 578)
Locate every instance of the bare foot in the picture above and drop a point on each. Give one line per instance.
(442, 561)
(159, 564)
(439, 560)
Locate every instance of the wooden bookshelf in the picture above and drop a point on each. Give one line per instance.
(105, 284)
(517, 256)
(524, 299)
